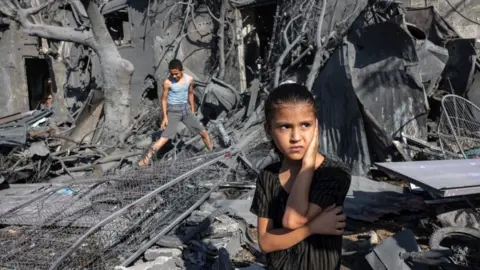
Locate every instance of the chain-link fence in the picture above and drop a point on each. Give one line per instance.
(97, 224)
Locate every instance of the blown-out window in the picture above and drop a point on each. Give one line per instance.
(119, 26)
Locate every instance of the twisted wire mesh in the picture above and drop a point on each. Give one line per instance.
(45, 229)
(459, 127)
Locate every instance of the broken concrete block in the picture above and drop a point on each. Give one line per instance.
(170, 241)
(197, 217)
(39, 148)
(231, 244)
(217, 195)
(163, 263)
(141, 266)
(207, 207)
(226, 226)
(240, 207)
(156, 253)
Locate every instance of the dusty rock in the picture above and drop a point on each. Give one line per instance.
(207, 207)
(170, 241)
(158, 253)
(218, 195)
(226, 226)
(163, 262)
(231, 244)
(197, 217)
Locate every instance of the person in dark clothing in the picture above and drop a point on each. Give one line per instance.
(299, 200)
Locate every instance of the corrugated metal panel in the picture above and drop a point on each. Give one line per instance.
(442, 177)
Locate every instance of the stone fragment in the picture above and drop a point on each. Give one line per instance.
(157, 253)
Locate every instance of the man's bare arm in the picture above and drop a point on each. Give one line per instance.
(191, 96)
(166, 88)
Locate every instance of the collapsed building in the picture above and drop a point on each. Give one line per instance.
(382, 73)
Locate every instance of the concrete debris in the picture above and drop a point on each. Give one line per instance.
(153, 253)
(38, 148)
(225, 227)
(460, 218)
(240, 208)
(159, 263)
(381, 80)
(216, 196)
(386, 255)
(369, 200)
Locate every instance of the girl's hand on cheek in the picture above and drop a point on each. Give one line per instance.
(309, 159)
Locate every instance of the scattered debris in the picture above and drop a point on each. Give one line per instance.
(71, 197)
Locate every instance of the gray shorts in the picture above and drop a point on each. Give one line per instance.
(177, 113)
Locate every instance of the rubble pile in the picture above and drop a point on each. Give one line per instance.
(398, 84)
(37, 147)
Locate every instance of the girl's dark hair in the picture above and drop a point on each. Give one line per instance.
(289, 93)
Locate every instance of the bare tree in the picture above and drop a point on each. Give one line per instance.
(319, 49)
(116, 71)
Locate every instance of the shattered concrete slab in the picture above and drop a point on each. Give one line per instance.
(231, 244)
(153, 253)
(160, 263)
(240, 207)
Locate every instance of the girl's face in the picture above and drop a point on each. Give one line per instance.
(292, 127)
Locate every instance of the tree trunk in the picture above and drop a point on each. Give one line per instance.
(319, 49)
(117, 75)
(117, 79)
(59, 73)
(221, 39)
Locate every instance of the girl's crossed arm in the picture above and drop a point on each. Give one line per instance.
(329, 222)
(299, 211)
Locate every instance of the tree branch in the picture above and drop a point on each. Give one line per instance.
(60, 33)
(221, 39)
(285, 37)
(213, 16)
(99, 30)
(319, 52)
(35, 10)
(49, 31)
(290, 46)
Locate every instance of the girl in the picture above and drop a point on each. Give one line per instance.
(298, 200)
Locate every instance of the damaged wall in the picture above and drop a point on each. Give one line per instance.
(154, 26)
(13, 94)
(462, 15)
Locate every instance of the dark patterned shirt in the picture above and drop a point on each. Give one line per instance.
(330, 185)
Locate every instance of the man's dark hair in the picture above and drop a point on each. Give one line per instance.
(175, 64)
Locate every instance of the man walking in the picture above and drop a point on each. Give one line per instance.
(176, 98)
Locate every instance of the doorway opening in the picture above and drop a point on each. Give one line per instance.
(37, 70)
